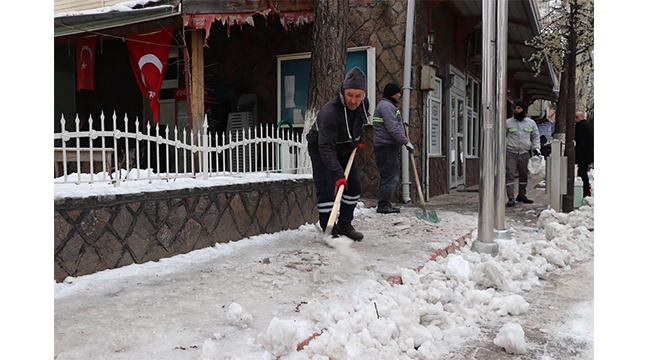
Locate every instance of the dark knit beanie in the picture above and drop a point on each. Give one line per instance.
(391, 89)
(522, 105)
(355, 79)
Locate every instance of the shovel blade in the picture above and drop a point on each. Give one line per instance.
(431, 217)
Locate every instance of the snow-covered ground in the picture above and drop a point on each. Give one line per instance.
(150, 182)
(287, 296)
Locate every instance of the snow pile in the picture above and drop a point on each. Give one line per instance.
(238, 316)
(511, 338)
(442, 306)
(280, 337)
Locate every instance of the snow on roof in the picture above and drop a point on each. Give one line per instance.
(121, 7)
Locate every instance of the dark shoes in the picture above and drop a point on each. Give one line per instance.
(524, 199)
(510, 203)
(387, 209)
(348, 230)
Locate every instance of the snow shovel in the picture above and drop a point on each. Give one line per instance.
(432, 217)
(337, 202)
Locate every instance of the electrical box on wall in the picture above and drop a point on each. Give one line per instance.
(428, 77)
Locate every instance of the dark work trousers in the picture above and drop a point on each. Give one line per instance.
(387, 160)
(583, 172)
(326, 193)
(516, 164)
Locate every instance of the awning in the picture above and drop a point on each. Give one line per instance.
(92, 22)
(201, 14)
(204, 21)
(523, 25)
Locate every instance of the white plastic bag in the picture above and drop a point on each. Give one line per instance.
(537, 168)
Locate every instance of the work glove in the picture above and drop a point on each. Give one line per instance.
(409, 147)
(359, 146)
(340, 182)
(536, 152)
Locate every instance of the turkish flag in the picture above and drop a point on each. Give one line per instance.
(148, 54)
(85, 48)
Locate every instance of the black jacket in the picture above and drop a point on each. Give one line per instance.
(584, 138)
(333, 136)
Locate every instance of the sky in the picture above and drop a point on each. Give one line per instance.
(260, 297)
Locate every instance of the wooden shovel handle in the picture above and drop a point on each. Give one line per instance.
(417, 179)
(415, 169)
(339, 195)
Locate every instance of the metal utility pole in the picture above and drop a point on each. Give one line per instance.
(500, 232)
(485, 240)
(406, 95)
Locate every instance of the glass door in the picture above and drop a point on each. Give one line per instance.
(456, 140)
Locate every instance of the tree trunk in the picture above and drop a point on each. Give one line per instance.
(328, 56)
(560, 116)
(569, 150)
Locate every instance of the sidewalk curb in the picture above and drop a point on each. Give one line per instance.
(449, 249)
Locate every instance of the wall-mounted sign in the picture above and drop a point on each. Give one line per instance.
(435, 127)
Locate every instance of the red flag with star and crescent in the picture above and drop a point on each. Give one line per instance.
(85, 48)
(148, 54)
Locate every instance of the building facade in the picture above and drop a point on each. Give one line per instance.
(249, 49)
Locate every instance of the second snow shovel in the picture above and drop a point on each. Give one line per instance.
(432, 217)
(337, 201)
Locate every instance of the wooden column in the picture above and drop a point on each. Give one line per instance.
(196, 80)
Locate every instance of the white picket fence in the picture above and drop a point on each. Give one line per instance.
(123, 155)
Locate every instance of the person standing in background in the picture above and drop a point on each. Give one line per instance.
(390, 135)
(522, 136)
(332, 138)
(584, 138)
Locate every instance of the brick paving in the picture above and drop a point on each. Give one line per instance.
(466, 200)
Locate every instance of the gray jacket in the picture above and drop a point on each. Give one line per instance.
(388, 124)
(521, 136)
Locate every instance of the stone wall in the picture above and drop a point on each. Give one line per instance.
(105, 232)
(382, 25)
